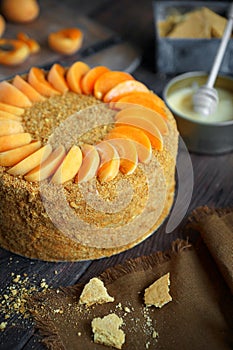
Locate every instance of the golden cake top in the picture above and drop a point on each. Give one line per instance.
(35, 107)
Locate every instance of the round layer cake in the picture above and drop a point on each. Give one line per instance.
(87, 162)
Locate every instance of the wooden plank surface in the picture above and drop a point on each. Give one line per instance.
(213, 183)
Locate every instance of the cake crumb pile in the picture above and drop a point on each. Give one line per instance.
(14, 299)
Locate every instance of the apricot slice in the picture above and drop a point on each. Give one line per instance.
(108, 80)
(109, 161)
(32, 161)
(147, 126)
(8, 127)
(32, 44)
(17, 53)
(27, 89)
(9, 116)
(146, 113)
(89, 79)
(48, 167)
(145, 99)
(66, 41)
(74, 75)
(90, 164)
(141, 140)
(56, 77)
(13, 141)
(13, 156)
(11, 109)
(124, 88)
(13, 96)
(37, 79)
(127, 152)
(69, 166)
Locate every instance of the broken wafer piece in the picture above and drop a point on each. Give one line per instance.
(106, 331)
(94, 292)
(157, 294)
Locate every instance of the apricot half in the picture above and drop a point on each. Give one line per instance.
(66, 41)
(13, 52)
(20, 11)
(32, 44)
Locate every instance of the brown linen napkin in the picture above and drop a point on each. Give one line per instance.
(216, 229)
(198, 317)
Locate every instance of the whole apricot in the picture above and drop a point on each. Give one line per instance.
(20, 11)
(2, 25)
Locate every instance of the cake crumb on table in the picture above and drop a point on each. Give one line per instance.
(157, 294)
(106, 331)
(94, 292)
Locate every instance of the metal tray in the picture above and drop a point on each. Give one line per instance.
(183, 55)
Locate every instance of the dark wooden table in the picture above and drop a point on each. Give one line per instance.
(213, 175)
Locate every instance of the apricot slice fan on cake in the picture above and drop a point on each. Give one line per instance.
(138, 135)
